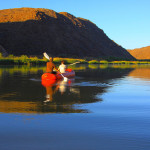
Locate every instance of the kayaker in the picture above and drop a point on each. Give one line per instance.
(50, 66)
(62, 67)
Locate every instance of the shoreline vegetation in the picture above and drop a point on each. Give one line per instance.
(25, 60)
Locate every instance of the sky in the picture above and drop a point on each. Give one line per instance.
(126, 22)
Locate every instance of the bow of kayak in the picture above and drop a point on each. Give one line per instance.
(49, 77)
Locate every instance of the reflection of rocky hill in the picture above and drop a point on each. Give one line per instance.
(23, 95)
(28, 97)
(140, 73)
(141, 53)
(35, 107)
(104, 74)
(31, 31)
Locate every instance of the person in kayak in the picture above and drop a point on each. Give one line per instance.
(50, 66)
(62, 67)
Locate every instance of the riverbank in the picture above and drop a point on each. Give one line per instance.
(25, 60)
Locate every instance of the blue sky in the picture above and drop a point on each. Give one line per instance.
(127, 22)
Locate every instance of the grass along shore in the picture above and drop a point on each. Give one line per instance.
(25, 60)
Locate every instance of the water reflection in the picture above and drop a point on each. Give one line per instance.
(50, 91)
(68, 94)
(21, 90)
(143, 73)
(54, 86)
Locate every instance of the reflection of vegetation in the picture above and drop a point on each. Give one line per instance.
(32, 69)
(23, 95)
(21, 69)
(79, 67)
(35, 69)
(27, 96)
(103, 66)
(130, 66)
(121, 66)
(92, 66)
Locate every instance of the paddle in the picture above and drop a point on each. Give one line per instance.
(74, 63)
(47, 57)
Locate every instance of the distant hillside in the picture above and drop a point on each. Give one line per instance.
(141, 53)
(32, 31)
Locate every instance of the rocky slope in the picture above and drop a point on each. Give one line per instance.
(32, 31)
(141, 53)
(3, 51)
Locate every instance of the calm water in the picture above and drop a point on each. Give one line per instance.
(100, 109)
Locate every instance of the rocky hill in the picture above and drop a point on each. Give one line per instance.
(141, 53)
(3, 51)
(32, 31)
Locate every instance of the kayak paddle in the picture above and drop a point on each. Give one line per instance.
(46, 56)
(74, 63)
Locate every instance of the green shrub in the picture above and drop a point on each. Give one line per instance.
(103, 62)
(93, 62)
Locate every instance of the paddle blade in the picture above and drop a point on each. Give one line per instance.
(65, 79)
(45, 55)
(74, 63)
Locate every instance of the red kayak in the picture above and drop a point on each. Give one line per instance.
(49, 78)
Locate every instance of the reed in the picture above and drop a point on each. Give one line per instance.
(25, 60)
(58, 60)
(103, 62)
(22, 60)
(93, 62)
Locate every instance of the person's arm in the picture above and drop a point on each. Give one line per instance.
(65, 66)
(59, 68)
(55, 67)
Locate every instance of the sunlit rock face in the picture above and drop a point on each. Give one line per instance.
(141, 53)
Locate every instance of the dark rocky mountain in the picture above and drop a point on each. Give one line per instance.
(141, 53)
(3, 51)
(31, 31)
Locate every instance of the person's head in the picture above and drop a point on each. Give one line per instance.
(62, 62)
(51, 59)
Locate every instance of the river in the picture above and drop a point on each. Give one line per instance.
(102, 108)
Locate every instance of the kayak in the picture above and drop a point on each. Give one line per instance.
(49, 78)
